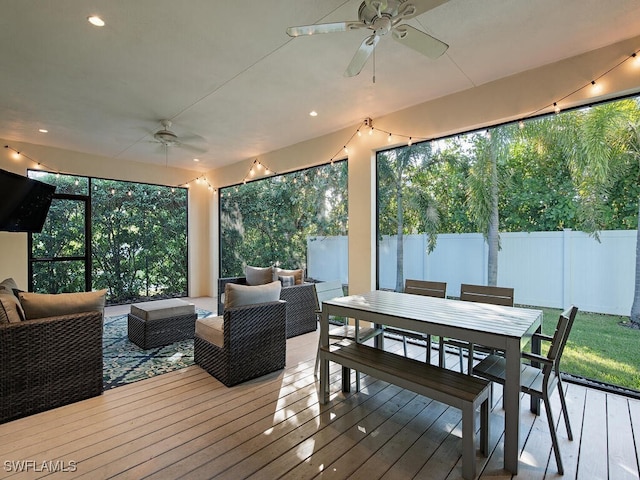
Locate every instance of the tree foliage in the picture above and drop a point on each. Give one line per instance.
(578, 170)
(267, 221)
(138, 239)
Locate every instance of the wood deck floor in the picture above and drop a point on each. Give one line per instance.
(186, 424)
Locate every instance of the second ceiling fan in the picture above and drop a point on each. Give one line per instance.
(382, 17)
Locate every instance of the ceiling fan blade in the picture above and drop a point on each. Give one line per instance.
(419, 41)
(324, 28)
(192, 148)
(362, 55)
(413, 8)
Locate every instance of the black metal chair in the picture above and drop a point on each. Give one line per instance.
(482, 294)
(540, 378)
(426, 288)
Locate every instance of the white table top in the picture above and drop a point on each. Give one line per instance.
(480, 318)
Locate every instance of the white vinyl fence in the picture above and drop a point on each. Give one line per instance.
(546, 269)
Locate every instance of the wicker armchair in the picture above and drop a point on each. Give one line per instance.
(301, 305)
(49, 362)
(254, 344)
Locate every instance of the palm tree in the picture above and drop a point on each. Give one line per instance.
(398, 166)
(602, 147)
(483, 189)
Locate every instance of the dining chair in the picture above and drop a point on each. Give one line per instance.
(540, 378)
(475, 293)
(328, 291)
(426, 288)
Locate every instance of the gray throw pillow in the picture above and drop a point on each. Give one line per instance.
(258, 275)
(236, 295)
(8, 285)
(10, 308)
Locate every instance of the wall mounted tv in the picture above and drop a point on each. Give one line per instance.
(24, 203)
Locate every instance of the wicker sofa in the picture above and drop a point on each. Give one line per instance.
(301, 305)
(50, 361)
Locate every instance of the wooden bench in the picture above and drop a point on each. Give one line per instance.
(447, 386)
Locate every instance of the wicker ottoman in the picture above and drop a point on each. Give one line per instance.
(162, 322)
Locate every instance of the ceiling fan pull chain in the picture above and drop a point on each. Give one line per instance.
(374, 66)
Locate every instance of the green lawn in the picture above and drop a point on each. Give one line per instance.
(599, 348)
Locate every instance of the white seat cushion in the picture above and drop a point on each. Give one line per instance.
(211, 329)
(158, 309)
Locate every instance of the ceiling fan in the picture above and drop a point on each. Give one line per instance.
(167, 138)
(382, 17)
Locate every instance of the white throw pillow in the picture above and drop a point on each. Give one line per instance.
(236, 295)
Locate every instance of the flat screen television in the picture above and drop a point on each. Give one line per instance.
(24, 203)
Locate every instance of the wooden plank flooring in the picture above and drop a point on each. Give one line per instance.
(186, 424)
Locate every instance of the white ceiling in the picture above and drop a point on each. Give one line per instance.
(236, 86)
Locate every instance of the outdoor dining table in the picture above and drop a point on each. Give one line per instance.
(508, 329)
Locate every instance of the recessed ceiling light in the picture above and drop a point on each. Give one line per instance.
(313, 113)
(43, 130)
(196, 159)
(96, 20)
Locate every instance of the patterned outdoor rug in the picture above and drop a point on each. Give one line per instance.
(125, 362)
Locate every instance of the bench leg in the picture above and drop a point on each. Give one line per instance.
(468, 442)
(346, 379)
(484, 428)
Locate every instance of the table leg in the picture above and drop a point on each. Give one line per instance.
(535, 348)
(324, 363)
(512, 406)
(378, 341)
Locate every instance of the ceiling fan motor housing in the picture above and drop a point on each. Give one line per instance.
(166, 137)
(371, 10)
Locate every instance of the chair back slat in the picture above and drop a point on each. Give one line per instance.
(327, 291)
(426, 288)
(487, 294)
(562, 333)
